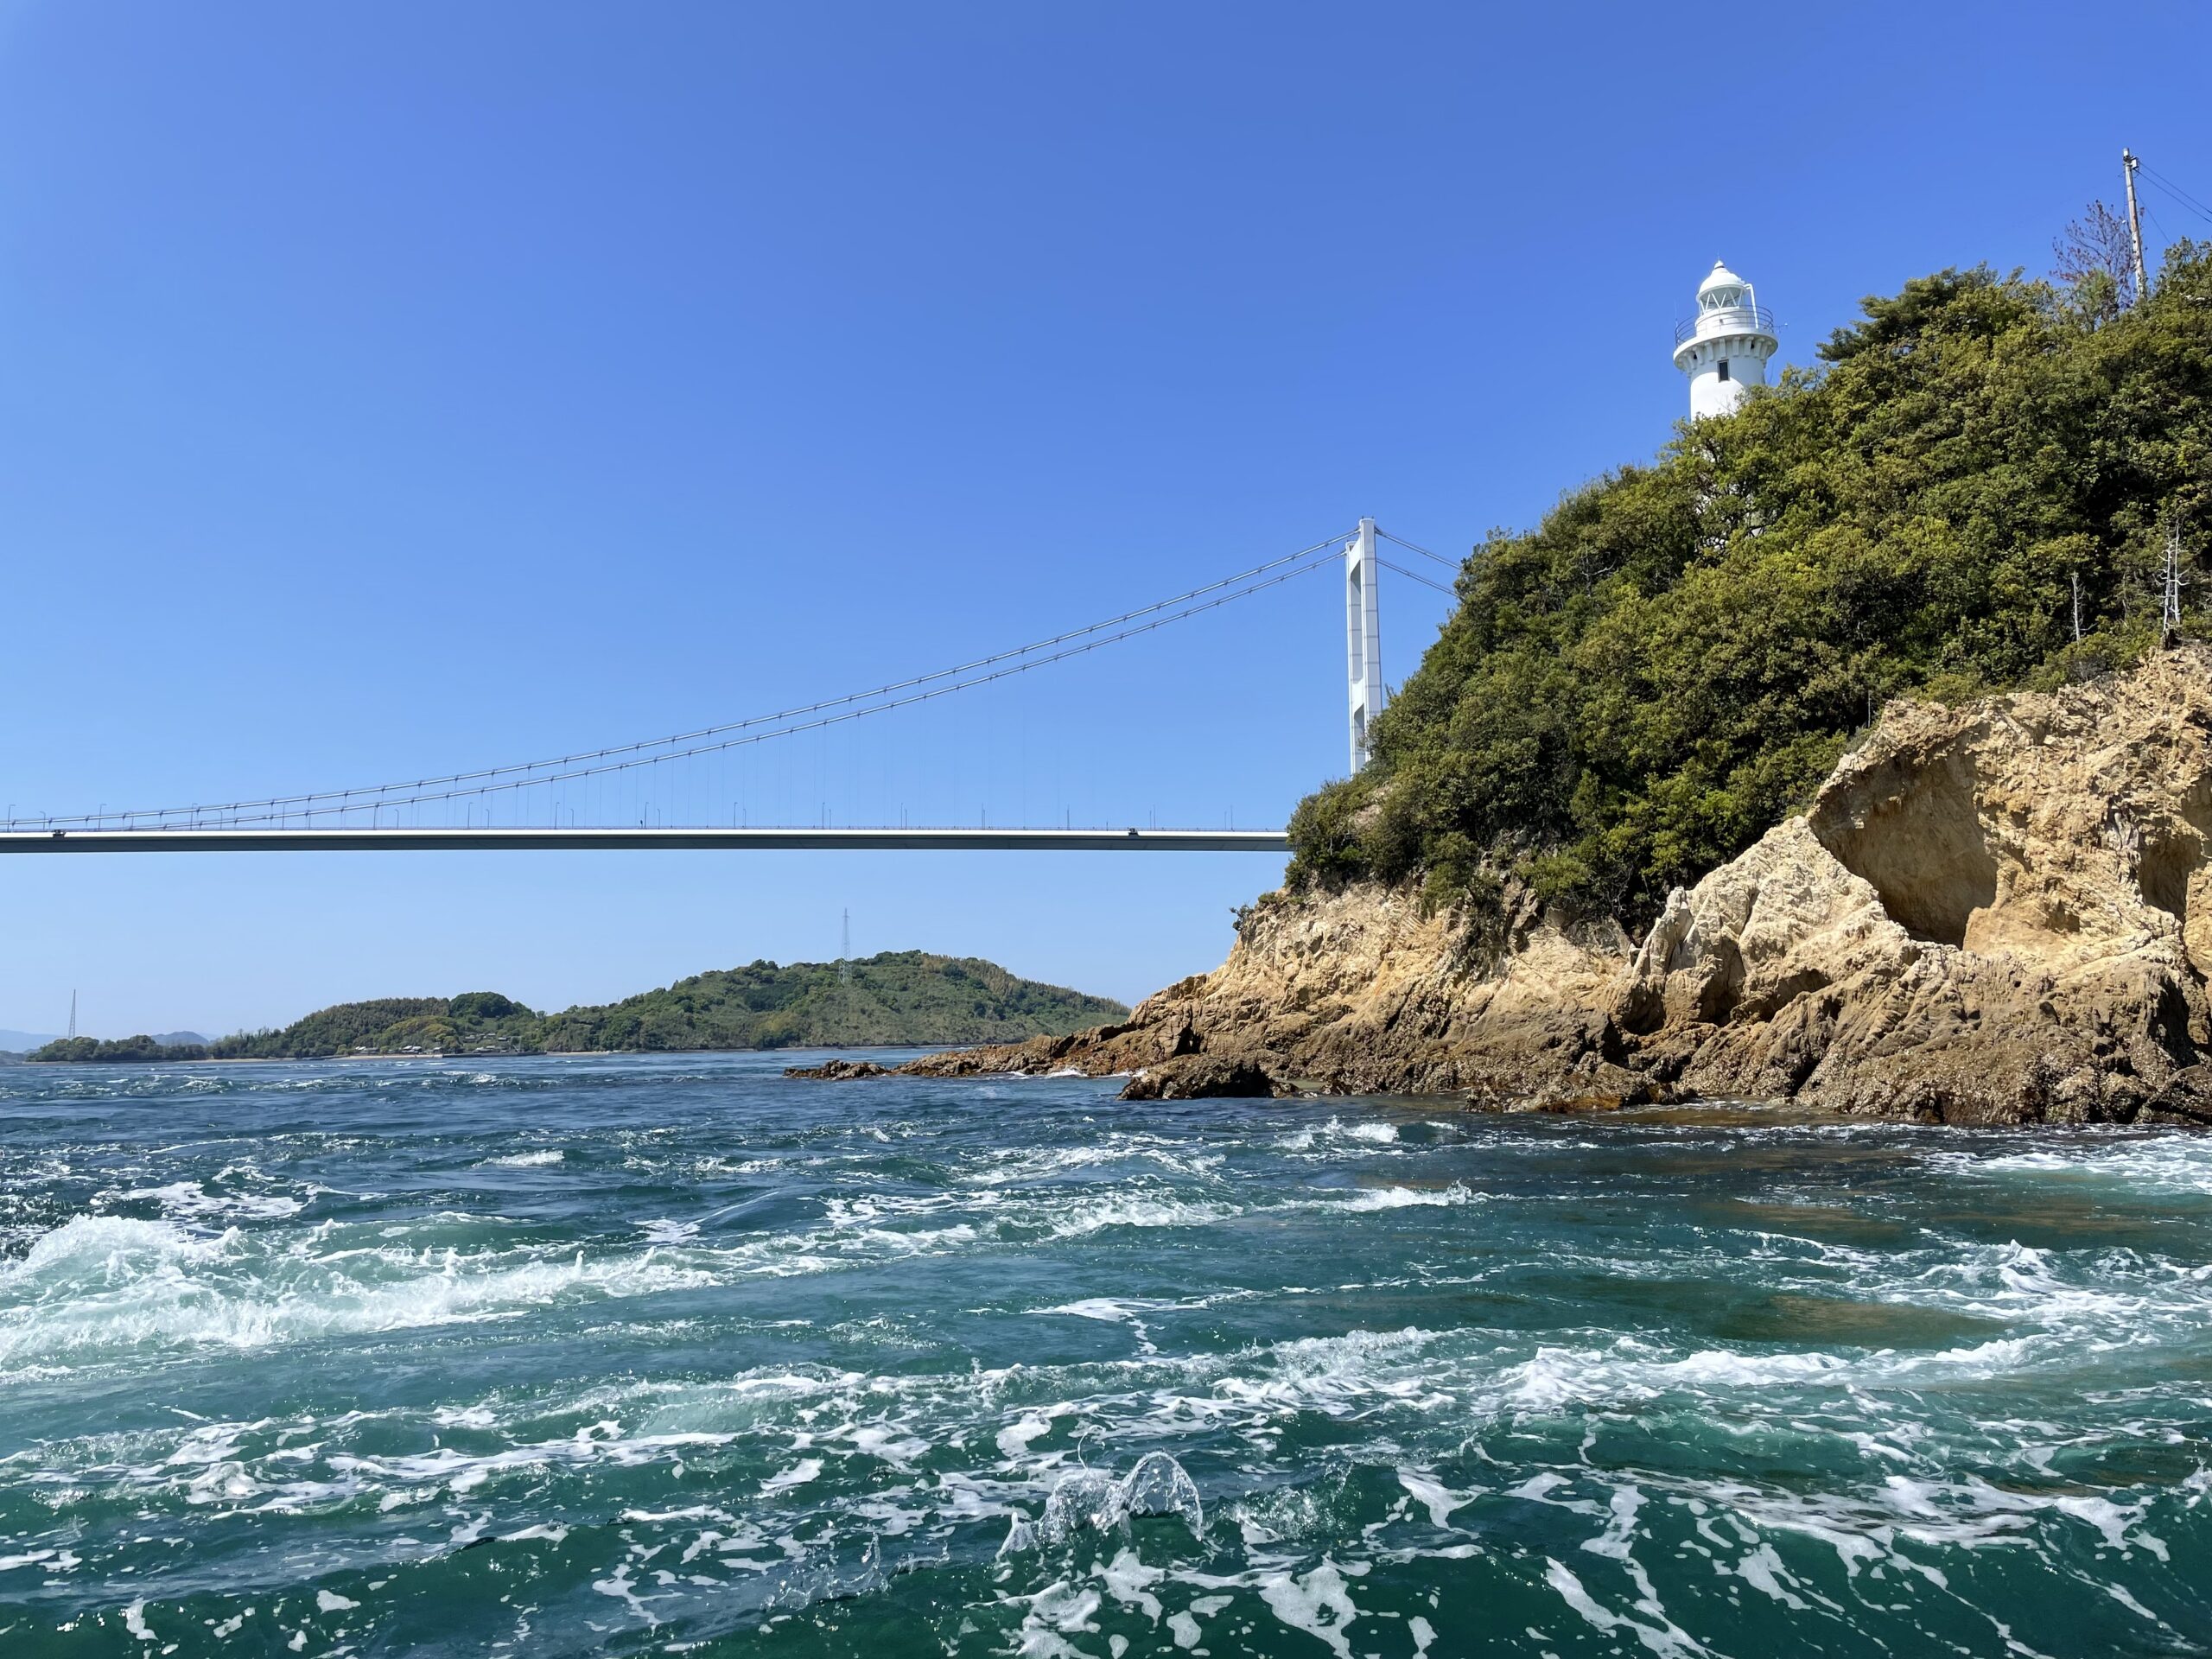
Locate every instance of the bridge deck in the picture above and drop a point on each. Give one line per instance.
(679, 840)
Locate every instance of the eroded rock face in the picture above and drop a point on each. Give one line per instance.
(1997, 912)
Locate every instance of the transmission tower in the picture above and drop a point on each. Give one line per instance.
(845, 951)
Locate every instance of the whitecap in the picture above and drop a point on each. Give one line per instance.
(1406, 1198)
(191, 1200)
(105, 1283)
(112, 1246)
(1134, 1210)
(806, 1470)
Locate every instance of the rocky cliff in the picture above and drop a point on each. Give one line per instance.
(2000, 912)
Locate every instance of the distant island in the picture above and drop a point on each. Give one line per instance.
(896, 999)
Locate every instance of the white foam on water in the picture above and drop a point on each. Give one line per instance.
(1013, 1441)
(1130, 1581)
(1113, 1310)
(2176, 1162)
(1317, 1604)
(1369, 1200)
(1097, 1215)
(1360, 1132)
(1437, 1498)
(1342, 1375)
(1664, 1637)
(1025, 1166)
(551, 1532)
(191, 1201)
(539, 1159)
(800, 1473)
(1059, 1610)
(110, 1283)
(1633, 1370)
(88, 1253)
(885, 1242)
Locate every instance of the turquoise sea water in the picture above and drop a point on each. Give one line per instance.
(574, 1356)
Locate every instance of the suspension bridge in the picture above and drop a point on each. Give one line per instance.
(541, 805)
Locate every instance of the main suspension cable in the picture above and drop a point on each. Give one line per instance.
(721, 744)
(594, 763)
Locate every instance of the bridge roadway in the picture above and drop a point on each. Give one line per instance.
(673, 840)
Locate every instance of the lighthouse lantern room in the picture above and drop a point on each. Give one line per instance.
(1725, 347)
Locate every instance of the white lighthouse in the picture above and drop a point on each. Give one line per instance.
(1724, 349)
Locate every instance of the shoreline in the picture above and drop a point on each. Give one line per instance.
(526, 1055)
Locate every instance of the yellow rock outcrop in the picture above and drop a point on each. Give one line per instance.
(2000, 912)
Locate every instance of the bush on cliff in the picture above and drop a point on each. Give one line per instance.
(1638, 689)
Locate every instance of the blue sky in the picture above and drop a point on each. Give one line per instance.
(386, 389)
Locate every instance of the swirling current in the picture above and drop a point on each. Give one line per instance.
(674, 1355)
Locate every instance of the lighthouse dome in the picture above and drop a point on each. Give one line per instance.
(1722, 287)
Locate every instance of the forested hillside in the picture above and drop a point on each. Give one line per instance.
(1975, 489)
(899, 997)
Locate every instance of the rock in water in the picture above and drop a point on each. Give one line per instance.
(1203, 1076)
(1997, 912)
(839, 1071)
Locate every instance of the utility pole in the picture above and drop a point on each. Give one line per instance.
(2127, 166)
(845, 951)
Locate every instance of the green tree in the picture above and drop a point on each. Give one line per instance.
(1640, 687)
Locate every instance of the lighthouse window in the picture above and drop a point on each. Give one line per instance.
(1724, 368)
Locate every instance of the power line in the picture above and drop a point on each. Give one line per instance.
(530, 774)
(2175, 190)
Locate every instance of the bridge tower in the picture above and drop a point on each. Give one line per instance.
(1725, 347)
(1363, 638)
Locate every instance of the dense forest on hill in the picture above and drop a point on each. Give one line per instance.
(1975, 489)
(115, 1048)
(899, 997)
